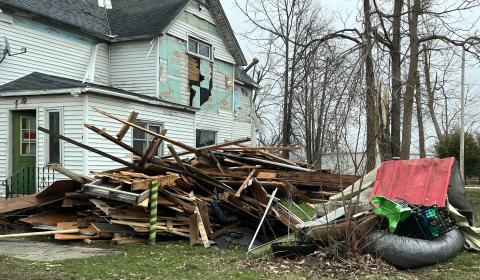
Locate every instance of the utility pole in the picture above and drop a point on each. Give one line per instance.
(462, 115)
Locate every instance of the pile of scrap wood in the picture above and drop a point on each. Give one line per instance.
(203, 193)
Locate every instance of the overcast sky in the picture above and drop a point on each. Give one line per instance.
(345, 8)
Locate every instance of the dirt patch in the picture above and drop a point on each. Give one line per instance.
(45, 251)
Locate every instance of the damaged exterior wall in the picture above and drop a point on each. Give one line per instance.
(207, 84)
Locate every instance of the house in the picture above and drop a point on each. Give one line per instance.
(176, 62)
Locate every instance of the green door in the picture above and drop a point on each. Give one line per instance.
(24, 149)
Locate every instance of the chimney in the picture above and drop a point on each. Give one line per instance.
(105, 4)
(253, 63)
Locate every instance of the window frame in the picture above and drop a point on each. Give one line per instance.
(29, 140)
(47, 140)
(147, 135)
(206, 130)
(199, 41)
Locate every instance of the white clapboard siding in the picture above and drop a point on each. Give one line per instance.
(241, 130)
(72, 120)
(181, 29)
(200, 10)
(49, 50)
(102, 72)
(221, 123)
(131, 68)
(180, 126)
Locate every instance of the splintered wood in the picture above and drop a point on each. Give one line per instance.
(203, 193)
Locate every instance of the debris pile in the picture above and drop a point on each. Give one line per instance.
(409, 213)
(199, 194)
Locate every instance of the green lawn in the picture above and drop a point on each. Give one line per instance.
(178, 260)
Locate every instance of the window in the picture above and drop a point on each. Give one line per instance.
(53, 143)
(142, 140)
(199, 48)
(206, 138)
(28, 136)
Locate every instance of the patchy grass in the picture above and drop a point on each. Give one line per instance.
(178, 260)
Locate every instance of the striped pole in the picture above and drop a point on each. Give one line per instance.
(152, 232)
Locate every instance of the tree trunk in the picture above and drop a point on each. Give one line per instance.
(431, 93)
(411, 81)
(286, 103)
(396, 60)
(421, 130)
(370, 98)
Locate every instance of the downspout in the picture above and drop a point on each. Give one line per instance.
(90, 72)
(233, 101)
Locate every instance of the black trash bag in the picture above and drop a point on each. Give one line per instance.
(456, 194)
(405, 252)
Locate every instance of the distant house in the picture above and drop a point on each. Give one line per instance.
(176, 62)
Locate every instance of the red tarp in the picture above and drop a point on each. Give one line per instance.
(419, 181)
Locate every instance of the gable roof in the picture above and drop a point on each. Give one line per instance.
(37, 83)
(79, 14)
(128, 19)
(140, 18)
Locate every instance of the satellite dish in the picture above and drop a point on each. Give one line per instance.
(8, 50)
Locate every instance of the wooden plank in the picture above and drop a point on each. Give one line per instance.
(164, 138)
(41, 233)
(112, 139)
(70, 174)
(245, 183)
(201, 228)
(75, 236)
(152, 149)
(50, 218)
(91, 149)
(124, 128)
(176, 231)
(102, 205)
(202, 207)
(22, 203)
(213, 147)
(193, 229)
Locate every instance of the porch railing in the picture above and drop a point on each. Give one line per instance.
(28, 180)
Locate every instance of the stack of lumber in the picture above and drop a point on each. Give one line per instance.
(202, 192)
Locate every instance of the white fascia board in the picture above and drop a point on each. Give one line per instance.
(140, 99)
(72, 91)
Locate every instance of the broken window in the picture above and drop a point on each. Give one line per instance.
(54, 149)
(142, 140)
(199, 48)
(206, 137)
(28, 136)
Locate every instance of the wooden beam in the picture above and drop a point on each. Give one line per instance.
(150, 153)
(70, 174)
(245, 183)
(164, 138)
(91, 149)
(123, 130)
(41, 233)
(214, 147)
(109, 137)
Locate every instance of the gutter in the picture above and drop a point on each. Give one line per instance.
(82, 90)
